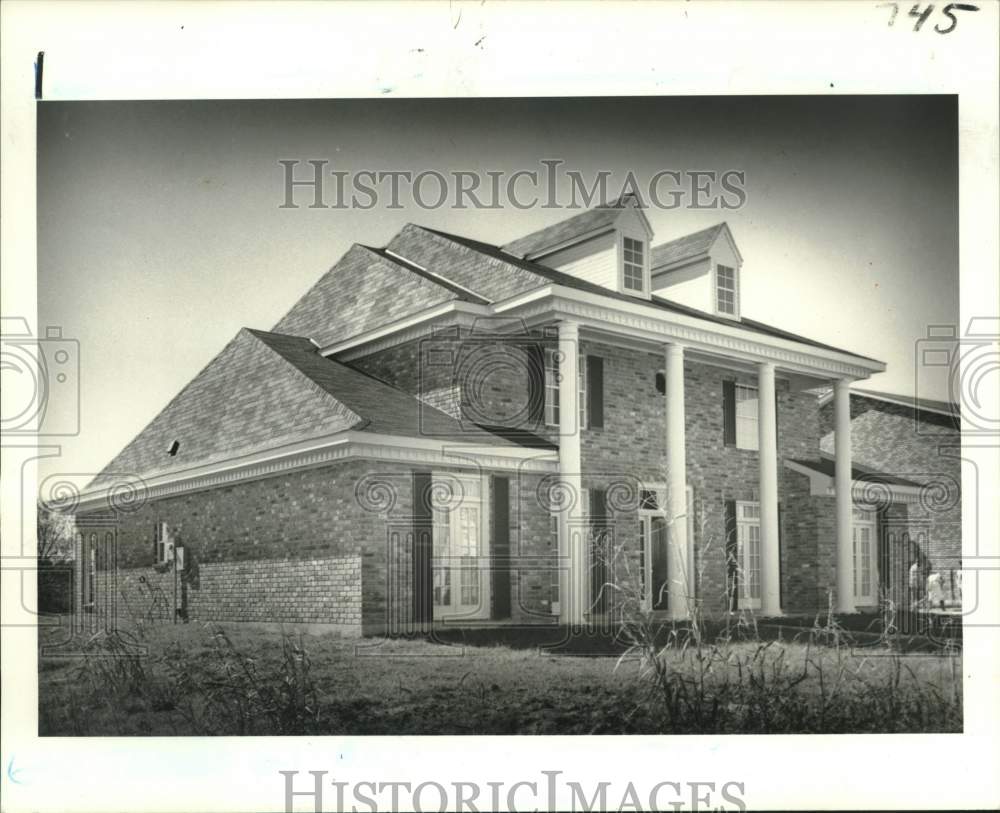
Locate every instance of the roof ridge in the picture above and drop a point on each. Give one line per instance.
(426, 273)
(362, 419)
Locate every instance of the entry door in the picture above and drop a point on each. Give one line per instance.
(653, 550)
(865, 563)
(748, 553)
(460, 563)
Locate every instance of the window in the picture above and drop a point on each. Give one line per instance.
(864, 553)
(633, 268)
(725, 290)
(459, 546)
(163, 547)
(552, 388)
(746, 417)
(748, 553)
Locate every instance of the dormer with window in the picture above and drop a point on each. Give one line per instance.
(608, 246)
(701, 270)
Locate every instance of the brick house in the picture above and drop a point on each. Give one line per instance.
(917, 441)
(447, 431)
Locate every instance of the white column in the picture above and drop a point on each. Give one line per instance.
(680, 587)
(767, 437)
(842, 487)
(573, 541)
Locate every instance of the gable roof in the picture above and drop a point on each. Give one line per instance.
(685, 248)
(598, 218)
(266, 390)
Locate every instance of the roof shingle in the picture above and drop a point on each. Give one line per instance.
(265, 391)
(684, 248)
(592, 219)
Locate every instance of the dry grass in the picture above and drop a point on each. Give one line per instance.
(194, 679)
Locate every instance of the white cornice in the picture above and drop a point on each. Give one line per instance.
(644, 321)
(635, 319)
(312, 454)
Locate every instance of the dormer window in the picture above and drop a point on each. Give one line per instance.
(633, 269)
(725, 290)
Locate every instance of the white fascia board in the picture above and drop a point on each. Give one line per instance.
(862, 491)
(536, 256)
(677, 265)
(323, 451)
(419, 319)
(826, 397)
(732, 242)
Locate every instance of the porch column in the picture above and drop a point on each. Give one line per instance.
(680, 587)
(572, 537)
(842, 488)
(767, 442)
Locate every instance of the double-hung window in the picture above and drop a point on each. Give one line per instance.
(725, 290)
(633, 264)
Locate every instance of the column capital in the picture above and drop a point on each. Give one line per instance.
(674, 348)
(567, 326)
(766, 366)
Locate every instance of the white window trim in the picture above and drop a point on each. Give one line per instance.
(643, 281)
(551, 406)
(747, 439)
(483, 503)
(164, 544)
(644, 516)
(861, 518)
(735, 315)
(743, 601)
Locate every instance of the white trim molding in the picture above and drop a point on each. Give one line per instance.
(324, 451)
(632, 318)
(821, 485)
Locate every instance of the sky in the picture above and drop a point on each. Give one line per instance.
(160, 232)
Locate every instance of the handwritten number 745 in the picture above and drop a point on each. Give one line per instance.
(921, 16)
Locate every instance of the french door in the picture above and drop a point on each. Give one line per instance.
(460, 564)
(748, 550)
(653, 560)
(865, 551)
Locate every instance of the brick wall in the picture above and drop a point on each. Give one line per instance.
(632, 445)
(328, 545)
(887, 438)
(630, 448)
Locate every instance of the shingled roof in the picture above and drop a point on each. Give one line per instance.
(366, 289)
(565, 230)
(265, 391)
(498, 275)
(686, 247)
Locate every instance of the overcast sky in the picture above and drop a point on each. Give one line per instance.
(160, 232)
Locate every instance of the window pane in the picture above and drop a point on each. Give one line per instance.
(633, 263)
(746, 417)
(725, 286)
(551, 388)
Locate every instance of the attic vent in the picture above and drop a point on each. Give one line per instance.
(174, 447)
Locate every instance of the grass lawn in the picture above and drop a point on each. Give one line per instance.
(194, 679)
